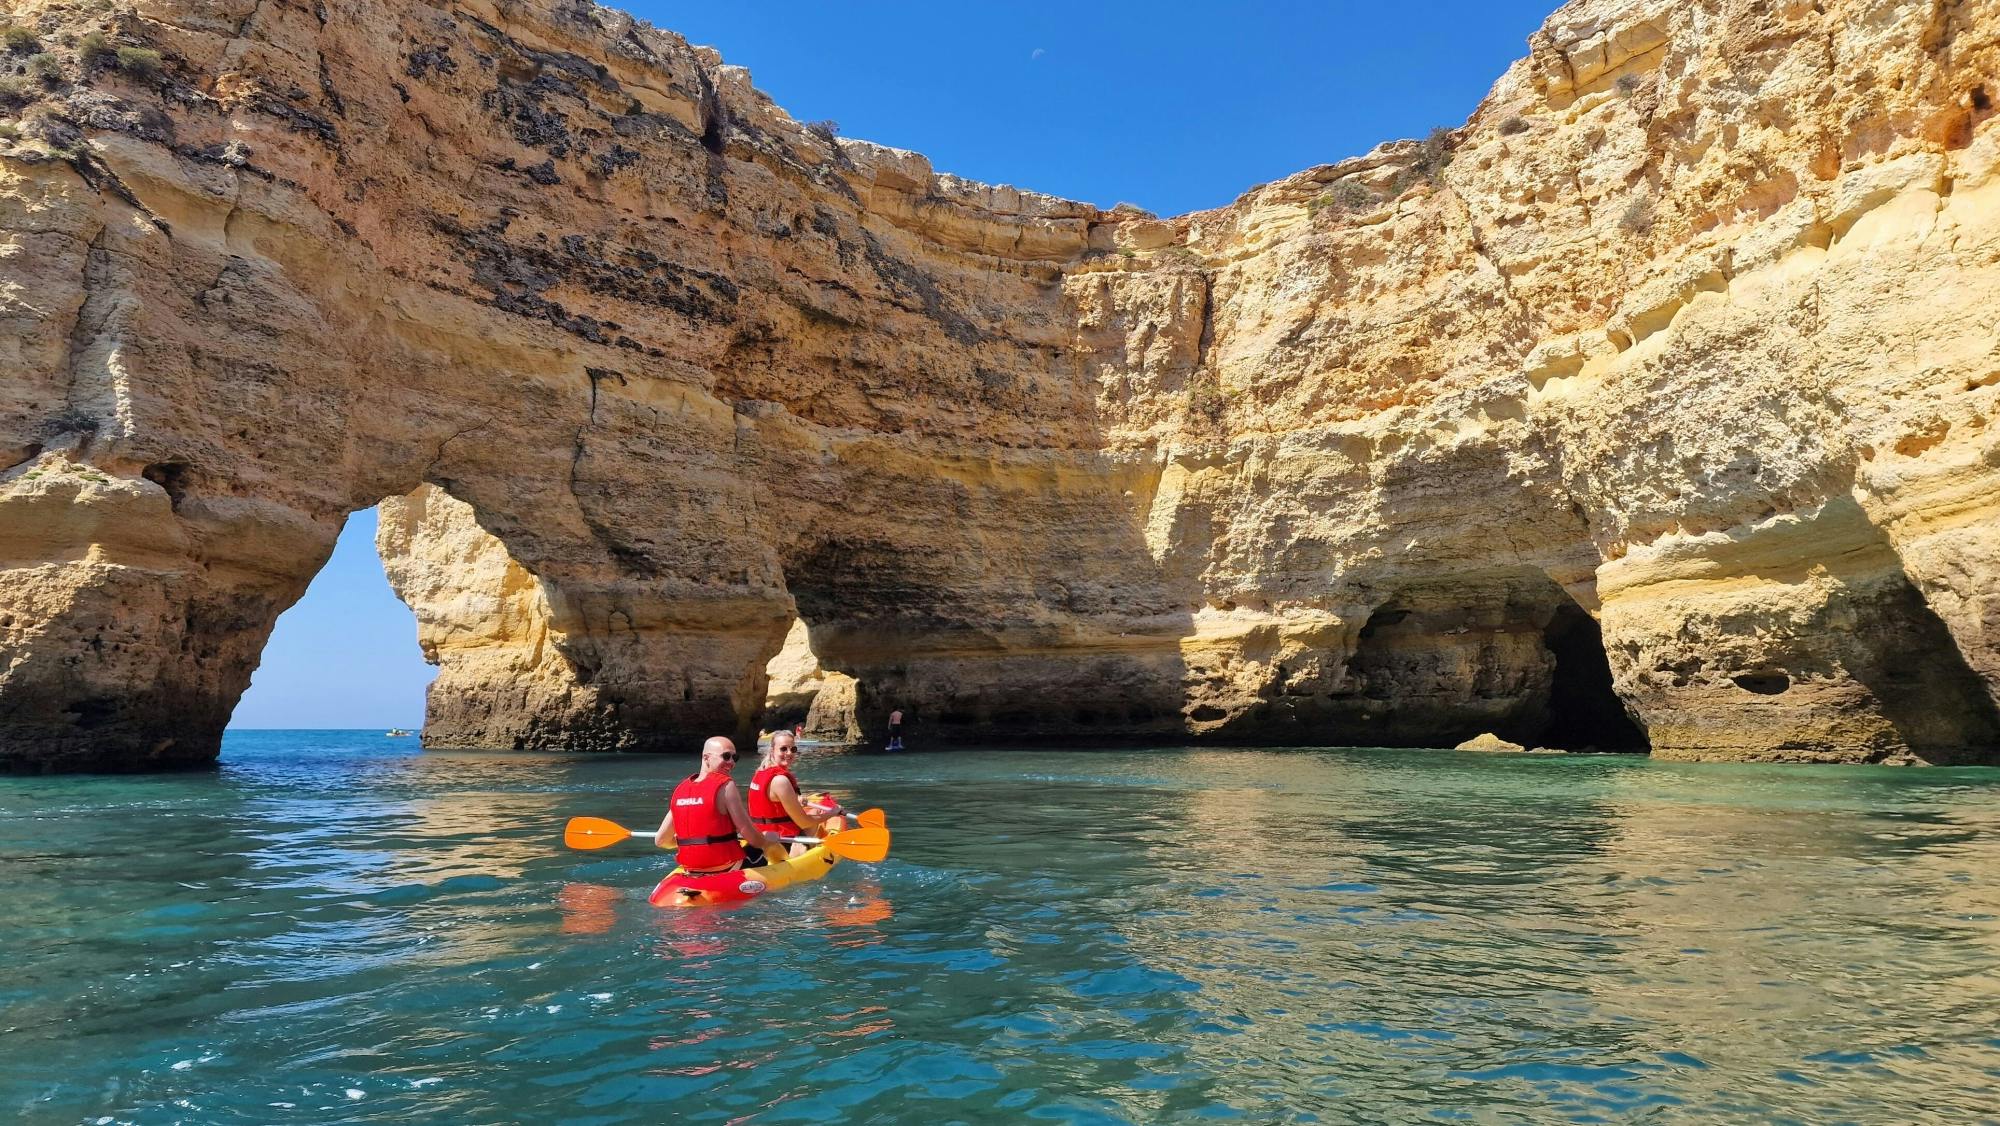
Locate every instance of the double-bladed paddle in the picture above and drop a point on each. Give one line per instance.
(868, 842)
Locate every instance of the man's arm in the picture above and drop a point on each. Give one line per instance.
(739, 816)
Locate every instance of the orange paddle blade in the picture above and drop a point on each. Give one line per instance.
(594, 832)
(868, 844)
(872, 818)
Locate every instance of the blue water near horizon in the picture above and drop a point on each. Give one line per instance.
(336, 927)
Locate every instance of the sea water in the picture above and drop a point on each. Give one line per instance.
(336, 927)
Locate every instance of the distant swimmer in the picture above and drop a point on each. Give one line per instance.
(896, 730)
(707, 820)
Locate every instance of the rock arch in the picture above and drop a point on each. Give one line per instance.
(1035, 465)
(1836, 657)
(1013, 595)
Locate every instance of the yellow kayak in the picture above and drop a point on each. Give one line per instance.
(682, 890)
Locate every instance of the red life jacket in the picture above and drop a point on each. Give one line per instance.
(769, 815)
(703, 832)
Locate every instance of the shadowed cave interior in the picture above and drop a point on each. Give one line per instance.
(1512, 654)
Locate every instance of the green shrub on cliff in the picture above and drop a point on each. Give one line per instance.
(1205, 401)
(21, 40)
(1432, 157)
(45, 67)
(96, 49)
(1433, 153)
(16, 92)
(1347, 195)
(139, 62)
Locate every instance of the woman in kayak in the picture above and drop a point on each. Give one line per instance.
(707, 820)
(775, 804)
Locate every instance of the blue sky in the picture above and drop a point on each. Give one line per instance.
(346, 654)
(1172, 106)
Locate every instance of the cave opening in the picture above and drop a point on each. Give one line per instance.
(345, 655)
(1584, 712)
(804, 695)
(1510, 653)
(1438, 665)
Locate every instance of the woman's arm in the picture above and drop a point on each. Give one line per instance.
(782, 792)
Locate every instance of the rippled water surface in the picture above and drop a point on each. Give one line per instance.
(337, 928)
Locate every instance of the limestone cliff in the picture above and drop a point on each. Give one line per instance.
(1650, 407)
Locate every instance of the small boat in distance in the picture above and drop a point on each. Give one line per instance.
(398, 733)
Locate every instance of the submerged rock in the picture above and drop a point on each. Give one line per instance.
(1491, 742)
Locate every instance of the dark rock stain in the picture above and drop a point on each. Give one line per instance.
(518, 277)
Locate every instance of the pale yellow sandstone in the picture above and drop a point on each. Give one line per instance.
(1652, 406)
(1490, 742)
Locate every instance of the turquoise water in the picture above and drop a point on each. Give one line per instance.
(336, 928)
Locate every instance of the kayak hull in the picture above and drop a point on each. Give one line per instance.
(682, 890)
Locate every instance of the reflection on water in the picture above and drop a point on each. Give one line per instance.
(864, 907)
(588, 908)
(333, 930)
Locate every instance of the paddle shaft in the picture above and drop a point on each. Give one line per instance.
(655, 835)
(867, 842)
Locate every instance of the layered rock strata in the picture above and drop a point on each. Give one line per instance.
(1650, 407)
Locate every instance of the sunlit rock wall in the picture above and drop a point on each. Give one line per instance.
(503, 677)
(1657, 394)
(802, 694)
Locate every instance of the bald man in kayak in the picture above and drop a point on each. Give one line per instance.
(707, 820)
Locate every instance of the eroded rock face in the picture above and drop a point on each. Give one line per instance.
(802, 694)
(1669, 375)
(504, 677)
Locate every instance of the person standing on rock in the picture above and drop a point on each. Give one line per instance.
(896, 730)
(707, 820)
(775, 803)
